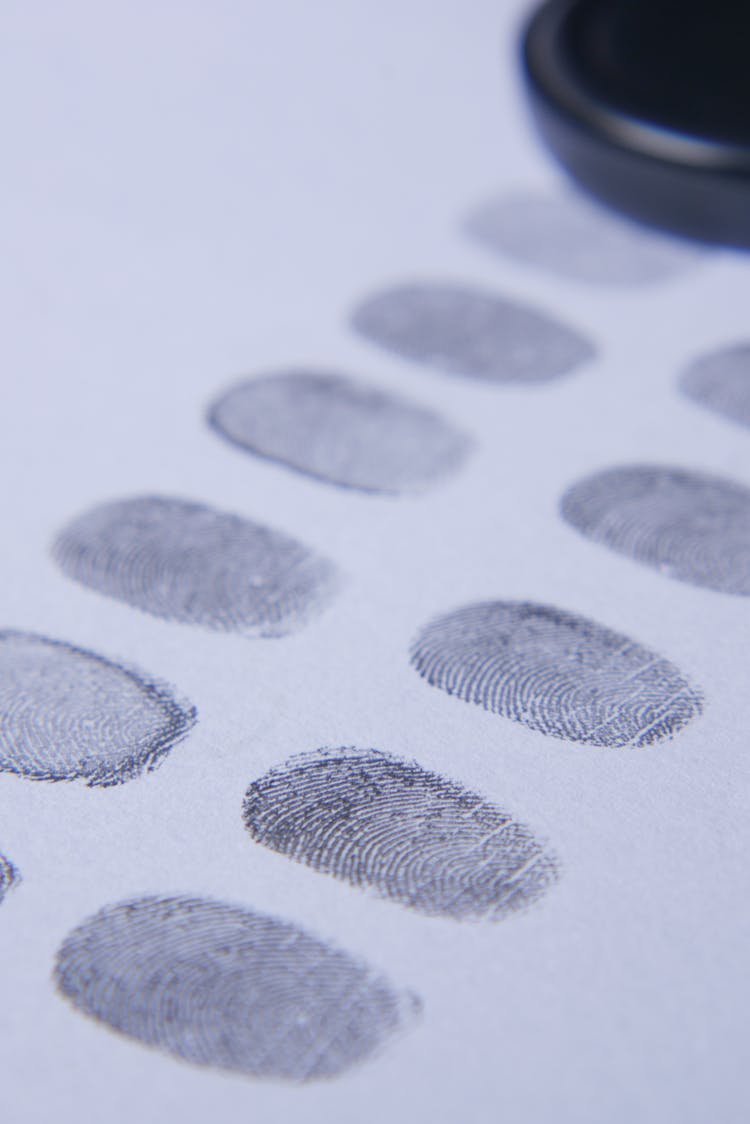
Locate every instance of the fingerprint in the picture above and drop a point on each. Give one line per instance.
(341, 431)
(567, 236)
(721, 382)
(688, 525)
(411, 836)
(68, 714)
(9, 877)
(471, 333)
(186, 562)
(227, 987)
(555, 672)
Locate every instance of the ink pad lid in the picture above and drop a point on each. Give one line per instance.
(646, 103)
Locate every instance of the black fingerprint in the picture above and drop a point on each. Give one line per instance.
(412, 836)
(471, 333)
(226, 987)
(339, 430)
(721, 382)
(568, 236)
(187, 562)
(66, 714)
(688, 525)
(555, 672)
(9, 876)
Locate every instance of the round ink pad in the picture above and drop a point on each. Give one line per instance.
(646, 103)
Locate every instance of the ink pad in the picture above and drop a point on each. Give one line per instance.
(646, 103)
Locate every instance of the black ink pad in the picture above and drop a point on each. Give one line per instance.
(646, 103)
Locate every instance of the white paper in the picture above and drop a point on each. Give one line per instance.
(196, 193)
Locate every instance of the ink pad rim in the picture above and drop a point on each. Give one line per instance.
(668, 177)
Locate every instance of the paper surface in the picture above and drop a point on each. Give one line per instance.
(195, 195)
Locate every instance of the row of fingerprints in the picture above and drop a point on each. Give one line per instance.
(232, 988)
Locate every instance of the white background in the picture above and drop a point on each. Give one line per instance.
(192, 192)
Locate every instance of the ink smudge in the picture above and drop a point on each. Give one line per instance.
(691, 526)
(341, 431)
(568, 236)
(409, 835)
(225, 987)
(9, 877)
(720, 381)
(68, 714)
(471, 333)
(192, 564)
(555, 672)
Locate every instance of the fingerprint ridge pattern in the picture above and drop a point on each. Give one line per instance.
(691, 526)
(720, 382)
(67, 714)
(407, 835)
(471, 333)
(340, 431)
(9, 876)
(186, 562)
(567, 236)
(230, 988)
(555, 672)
